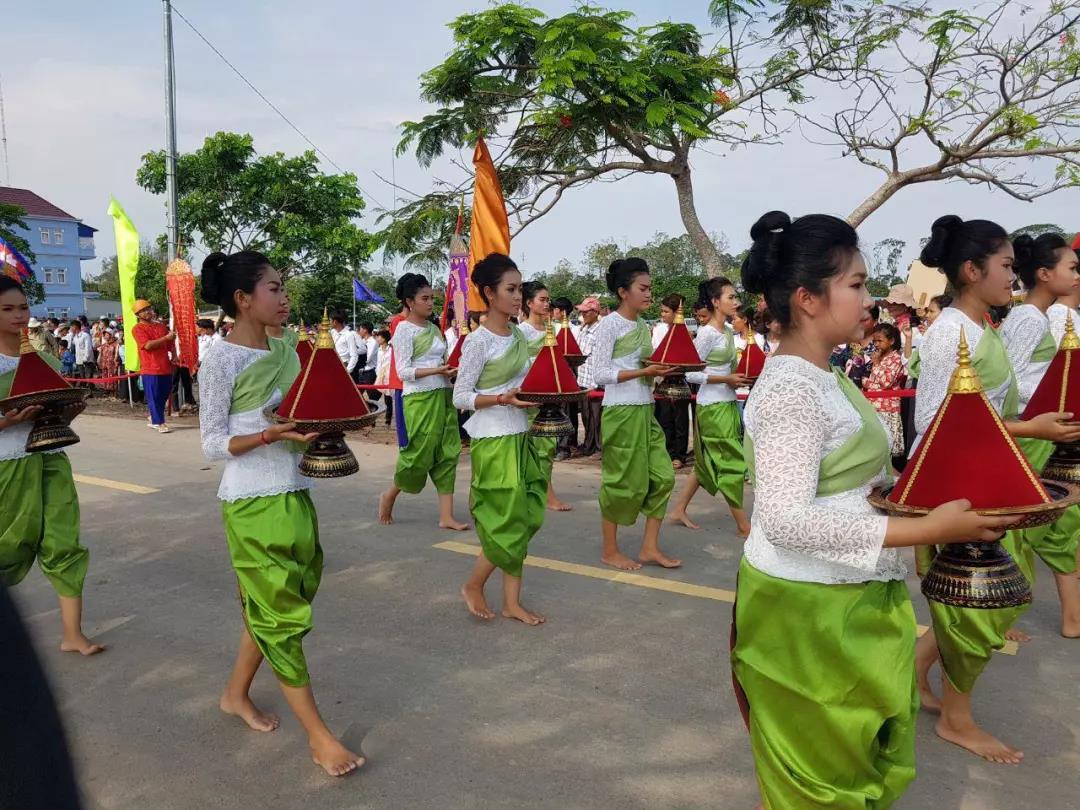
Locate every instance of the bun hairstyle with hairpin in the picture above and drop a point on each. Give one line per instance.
(787, 255)
(489, 271)
(225, 275)
(953, 242)
(529, 291)
(710, 290)
(7, 284)
(622, 272)
(409, 285)
(1032, 254)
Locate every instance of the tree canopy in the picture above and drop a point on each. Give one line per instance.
(11, 217)
(232, 198)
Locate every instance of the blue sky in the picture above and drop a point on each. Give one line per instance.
(83, 90)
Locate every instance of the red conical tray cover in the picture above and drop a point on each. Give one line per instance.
(566, 342)
(324, 390)
(33, 375)
(305, 350)
(550, 374)
(752, 360)
(968, 453)
(677, 348)
(455, 356)
(1059, 389)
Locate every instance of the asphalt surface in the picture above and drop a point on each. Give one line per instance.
(622, 700)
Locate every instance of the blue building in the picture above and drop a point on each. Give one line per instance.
(61, 244)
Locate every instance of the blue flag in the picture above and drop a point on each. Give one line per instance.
(361, 292)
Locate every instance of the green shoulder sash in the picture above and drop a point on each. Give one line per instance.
(290, 337)
(256, 383)
(724, 353)
(1046, 349)
(502, 369)
(535, 344)
(991, 361)
(913, 365)
(423, 342)
(637, 339)
(858, 460)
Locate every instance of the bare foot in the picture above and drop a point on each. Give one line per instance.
(555, 505)
(1070, 626)
(522, 615)
(476, 603)
(925, 656)
(335, 758)
(620, 560)
(454, 525)
(386, 509)
(249, 713)
(1012, 634)
(82, 645)
(978, 742)
(661, 559)
(680, 516)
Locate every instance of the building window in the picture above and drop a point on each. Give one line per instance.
(60, 313)
(49, 276)
(55, 275)
(58, 236)
(45, 236)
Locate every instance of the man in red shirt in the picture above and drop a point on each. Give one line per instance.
(155, 342)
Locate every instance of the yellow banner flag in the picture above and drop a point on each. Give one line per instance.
(127, 261)
(490, 232)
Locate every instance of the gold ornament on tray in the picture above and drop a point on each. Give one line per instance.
(37, 384)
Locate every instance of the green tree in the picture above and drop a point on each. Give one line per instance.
(11, 217)
(309, 294)
(584, 97)
(1039, 229)
(885, 266)
(232, 198)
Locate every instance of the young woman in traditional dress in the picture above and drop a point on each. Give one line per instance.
(39, 509)
(508, 484)
(434, 445)
(270, 522)
(977, 258)
(636, 473)
(718, 456)
(824, 631)
(536, 307)
(1047, 266)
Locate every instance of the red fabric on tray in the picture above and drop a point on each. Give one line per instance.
(967, 453)
(566, 342)
(455, 356)
(677, 347)
(33, 375)
(752, 361)
(305, 349)
(323, 390)
(550, 374)
(1059, 389)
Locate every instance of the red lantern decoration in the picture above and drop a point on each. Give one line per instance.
(180, 284)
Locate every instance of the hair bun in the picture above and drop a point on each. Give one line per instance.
(763, 260)
(936, 251)
(1024, 249)
(211, 277)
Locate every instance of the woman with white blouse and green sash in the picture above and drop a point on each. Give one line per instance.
(509, 485)
(434, 444)
(823, 634)
(977, 258)
(718, 453)
(636, 477)
(271, 527)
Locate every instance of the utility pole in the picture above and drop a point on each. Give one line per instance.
(172, 225)
(3, 137)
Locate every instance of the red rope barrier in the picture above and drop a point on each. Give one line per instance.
(99, 380)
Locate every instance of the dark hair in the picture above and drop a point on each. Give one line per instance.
(474, 320)
(489, 271)
(529, 291)
(563, 303)
(63, 344)
(368, 325)
(787, 255)
(77, 323)
(942, 300)
(748, 314)
(384, 334)
(875, 312)
(1033, 254)
(767, 317)
(622, 272)
(672, 301)
(954, 241)
(409, 285)
(891, 333)
(223, 276)
(205, 323)
(709, 290)
(7, 284)
(339, 316)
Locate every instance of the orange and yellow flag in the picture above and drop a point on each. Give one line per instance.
(490, 231)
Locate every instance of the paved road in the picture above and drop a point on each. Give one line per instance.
(621, 701)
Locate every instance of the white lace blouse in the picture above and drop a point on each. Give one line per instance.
(434, 357)
(1057, 317)
(1022, 331)
(796, 415)
(499, 420)
(605, 368)
(937, 359)
(13, 439)
(708, 339)
(266, 470)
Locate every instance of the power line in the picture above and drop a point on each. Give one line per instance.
(269, 103)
